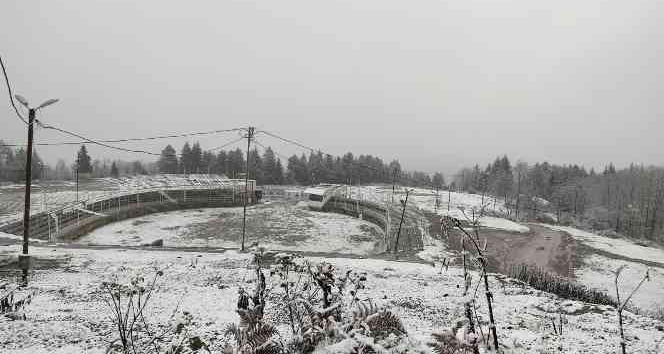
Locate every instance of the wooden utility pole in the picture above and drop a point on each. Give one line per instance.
(250, 134)
(28, 184)
(394, 177)
(403, 213)
(77, 166)
(449, 197)
(518, 194)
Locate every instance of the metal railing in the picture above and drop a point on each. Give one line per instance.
(52, 224)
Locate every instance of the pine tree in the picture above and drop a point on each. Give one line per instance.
(185, 159)
(207, 162)
(221, 163)
(196, 158)
(138, 169)
(168, 161)
(256, 167)
(269, 166)
(278, 174)
(83, 161)
(114, 170)
(438, 180)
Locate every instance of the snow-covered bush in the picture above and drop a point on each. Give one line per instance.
(322, 309)
(127, 301)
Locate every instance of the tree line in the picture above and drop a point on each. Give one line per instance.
(12, 166)
(266, 167)
(314, 168)
(628, 201)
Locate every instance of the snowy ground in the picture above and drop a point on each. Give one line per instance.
(458, 205)
(598, 269)
(68, 315)
(616, 246)
(276, 225)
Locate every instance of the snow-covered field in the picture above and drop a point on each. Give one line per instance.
(616, 246)
(598, 272)
(69, 316)
(598, 269)
(458, 205)
(282, 226)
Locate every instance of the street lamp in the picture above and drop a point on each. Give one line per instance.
(24, 258)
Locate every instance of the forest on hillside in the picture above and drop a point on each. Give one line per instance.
(628, 201)
(266, 166)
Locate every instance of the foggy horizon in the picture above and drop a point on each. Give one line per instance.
(438, 86)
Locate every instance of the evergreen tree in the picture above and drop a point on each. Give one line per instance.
(269, 166)
(185, 159)
(196, 158)
(138, 169)
(278, 174)
(221, 163)
(255, 167)
(438, 180)
(114, 170)
(83, 161)
(235, 163)
(207, 162)
(168, 161)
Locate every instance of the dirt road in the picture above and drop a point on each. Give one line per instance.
(553, 251)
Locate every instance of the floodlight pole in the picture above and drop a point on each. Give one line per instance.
(28, 182)
(250, 134)
(403, 213)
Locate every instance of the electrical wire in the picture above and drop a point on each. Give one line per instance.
(287, 140)
(313, 150)
(9, 89)
(133, 139)
(98, 142)
(225, 145)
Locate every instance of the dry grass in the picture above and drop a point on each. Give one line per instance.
(555, 284)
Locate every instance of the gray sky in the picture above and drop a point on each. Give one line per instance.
(436, 84)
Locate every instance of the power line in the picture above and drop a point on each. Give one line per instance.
(9, 89)
(98, 142)
(132, 139)
(287, 140)
(319, 150)
(225, 145)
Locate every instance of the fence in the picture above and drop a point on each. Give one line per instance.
(75, 219)
(411, 237)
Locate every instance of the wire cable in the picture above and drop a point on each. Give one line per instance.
(225, 145)
(313, 150)
(287, 140)
(9, 89)
(133, 139)
(97, 142)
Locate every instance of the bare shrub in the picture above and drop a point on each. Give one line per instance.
(13, 301)
(127, 303)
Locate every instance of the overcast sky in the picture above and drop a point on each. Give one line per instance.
(437, 84)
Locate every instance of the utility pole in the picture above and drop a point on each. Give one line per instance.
(394, 177)
(403, 213)
(250, 134)
(28, 182)
(24, 258)
(518, 194)
(449, 197)
(78, 157)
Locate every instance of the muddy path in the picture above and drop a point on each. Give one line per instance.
(553, 251)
